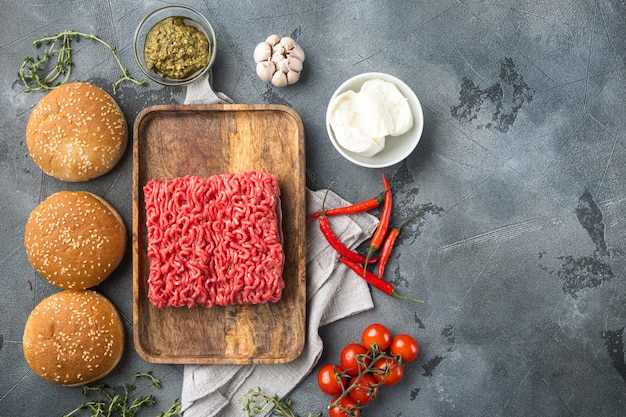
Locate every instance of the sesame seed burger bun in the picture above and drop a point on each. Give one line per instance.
(75, 239)
(73, 337)
(76, 132)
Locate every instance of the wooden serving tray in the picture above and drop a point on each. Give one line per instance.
(172, 141)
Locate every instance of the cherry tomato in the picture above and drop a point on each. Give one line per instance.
(378, 334)
(365, 390)
(330, 380)
(354, 358)
(345, 408)
(388, 371)
(404, 346)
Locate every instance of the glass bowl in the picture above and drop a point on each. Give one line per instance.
(397, 148)
(191, 17)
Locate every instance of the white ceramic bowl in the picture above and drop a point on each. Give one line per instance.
(397, 148)
(193, 18)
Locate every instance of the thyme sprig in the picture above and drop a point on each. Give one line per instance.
(121, 404)
(256, 402)
(54, 67)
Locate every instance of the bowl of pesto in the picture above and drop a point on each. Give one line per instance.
(174, 45)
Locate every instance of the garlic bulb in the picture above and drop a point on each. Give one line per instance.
(279, 60)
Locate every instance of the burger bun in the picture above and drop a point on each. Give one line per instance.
(73, 338)
(75, 239)
(76, 132)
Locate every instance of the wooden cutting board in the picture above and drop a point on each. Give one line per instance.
(172, 141)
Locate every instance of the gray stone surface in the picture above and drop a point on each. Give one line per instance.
(523, 151)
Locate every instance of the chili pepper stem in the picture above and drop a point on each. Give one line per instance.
(323, 211)
(395, 294)
(390, 240)
(370, 252)
(376, 281)
(412, 216)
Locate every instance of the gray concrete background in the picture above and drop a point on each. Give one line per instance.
(523, 150)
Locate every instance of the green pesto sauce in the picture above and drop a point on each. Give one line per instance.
(176, 50)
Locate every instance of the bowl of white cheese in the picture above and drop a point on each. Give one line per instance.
(374, 120)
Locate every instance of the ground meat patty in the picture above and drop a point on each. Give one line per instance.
(214, 241)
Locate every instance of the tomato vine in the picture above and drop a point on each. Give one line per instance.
(365, 368)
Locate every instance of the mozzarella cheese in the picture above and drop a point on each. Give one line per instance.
(362, 121)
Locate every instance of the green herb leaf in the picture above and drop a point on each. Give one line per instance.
(40, 74)
(114, 404)
(256, 402)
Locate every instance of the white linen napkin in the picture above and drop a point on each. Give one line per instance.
(333, 293)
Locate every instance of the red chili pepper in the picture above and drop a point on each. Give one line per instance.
(366, 205)
(390, 240)
(383, 225)
(335, 242)
(375, 281)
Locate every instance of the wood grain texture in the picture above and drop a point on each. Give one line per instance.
(172, 141)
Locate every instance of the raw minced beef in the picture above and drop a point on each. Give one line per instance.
(214, 241)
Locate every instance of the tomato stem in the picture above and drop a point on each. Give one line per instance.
(368, 369)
